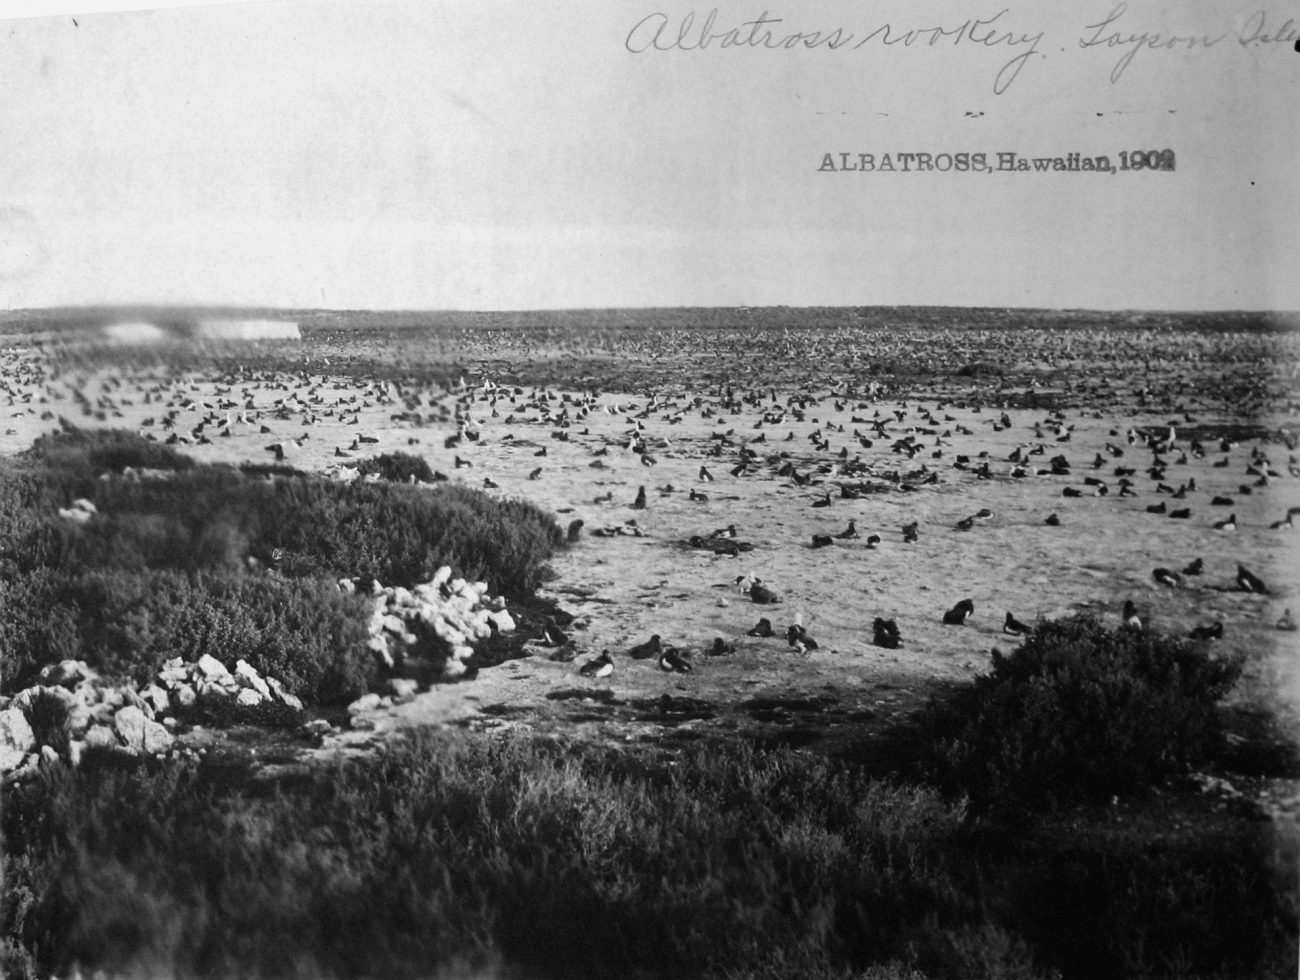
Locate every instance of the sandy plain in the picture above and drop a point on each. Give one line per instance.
(626, 409)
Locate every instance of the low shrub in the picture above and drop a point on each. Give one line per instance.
(1077, 712)
(470, 853)
(47, 714)
(96, 451)
(397, 468)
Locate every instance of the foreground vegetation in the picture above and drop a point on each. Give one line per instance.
(212, 559)
(463, 853)
(991, 851)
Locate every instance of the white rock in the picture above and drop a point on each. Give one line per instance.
(250, 678)
(23, 699)
(248, 697)
(174, 676)
(28, 767)
(67, 673)
(283, 694)
(440, 576)
(112, 696)
(318, 726)
(186, 695)
(75, 749)
(403, 687)
(156, 698)
(79, 719)
(157, 738)
(504, 621)
(173, 663)
(211, 667)
(367, 702)
(130, 723)
(16, 739)
(49, 757)
(102, 737)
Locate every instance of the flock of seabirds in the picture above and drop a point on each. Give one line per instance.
(262, 402)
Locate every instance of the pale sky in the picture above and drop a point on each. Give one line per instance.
(515, 155)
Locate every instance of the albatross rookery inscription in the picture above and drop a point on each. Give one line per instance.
(660, 33)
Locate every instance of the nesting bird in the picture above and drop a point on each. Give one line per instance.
(598, 667)
(1015, 627)
(956, 616)
(1250, 582)
(886, 634)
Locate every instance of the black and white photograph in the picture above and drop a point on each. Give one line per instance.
(650, 490)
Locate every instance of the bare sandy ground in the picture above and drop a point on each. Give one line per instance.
(623, 588)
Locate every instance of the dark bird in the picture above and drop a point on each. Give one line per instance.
(705, 475)
(1181, 515)
(1211, 632)
(1286, 623)
(1228, 524)
(764, 628)
(639, 503)
(722, 647)
(1164, 576)
(535, 474)
(1250, 582)
(1221, 502)
(761, 594)
(1159, 508)
(1071, 492)
(1052, 521)
(873, 540)
(1015, 627)
(850, 532)
(601, 666)
(1194, 568)
(885, 634)
(825, 501)
(799, 639)
(1130, 615)
(956, 616)
(555, 636)
(910, 532)
(575, 529)
(822, 541)
(646, 650)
